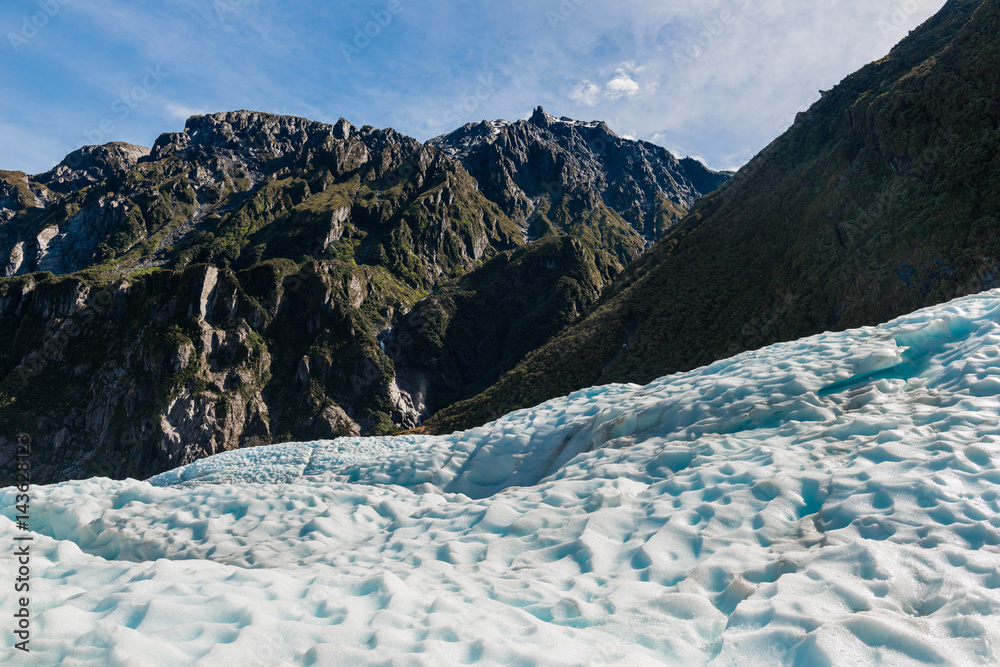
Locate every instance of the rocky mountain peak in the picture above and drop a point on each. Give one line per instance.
(540, 118)
(247, 132)
(92, 164)
(546, 158)
(547, 121)
(343, 130)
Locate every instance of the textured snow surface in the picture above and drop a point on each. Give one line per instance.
(830, 501)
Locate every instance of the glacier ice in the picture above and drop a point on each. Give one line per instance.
(828, 501)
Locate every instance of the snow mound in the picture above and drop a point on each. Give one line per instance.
(828, 501)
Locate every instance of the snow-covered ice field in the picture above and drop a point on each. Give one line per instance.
(829, 501)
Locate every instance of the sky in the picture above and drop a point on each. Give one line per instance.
(714, 79)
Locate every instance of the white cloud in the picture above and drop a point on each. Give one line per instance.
(622, 85)
(757, 64)
(182, 112)
(586, 93)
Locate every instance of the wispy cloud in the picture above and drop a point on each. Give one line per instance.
(585, 93)
(720, 78)
(182, 112)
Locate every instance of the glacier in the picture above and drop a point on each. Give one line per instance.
(828, 501)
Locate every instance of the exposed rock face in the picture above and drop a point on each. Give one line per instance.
(14, 260)
(263, 142)
(518, 164)
(10, 201)
(257, 134)
(73, 246)
(90, 165)
(138, 376)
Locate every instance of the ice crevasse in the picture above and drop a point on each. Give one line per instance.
(828, 501)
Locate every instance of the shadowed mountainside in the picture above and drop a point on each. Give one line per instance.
(882, 198)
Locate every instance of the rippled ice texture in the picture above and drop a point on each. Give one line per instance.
(828, 501)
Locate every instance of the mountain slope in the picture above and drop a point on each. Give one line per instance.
(462, 337)
(883, 197)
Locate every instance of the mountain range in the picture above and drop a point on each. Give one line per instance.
(245, 281)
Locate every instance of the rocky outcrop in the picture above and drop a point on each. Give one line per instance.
(519, 164)
(10, 201)
(72, 245)
(141, 375)
(90, 165)
(263, 142)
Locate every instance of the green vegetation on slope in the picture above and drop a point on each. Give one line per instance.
(464, 336)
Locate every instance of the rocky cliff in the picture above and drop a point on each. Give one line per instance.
(534, 167)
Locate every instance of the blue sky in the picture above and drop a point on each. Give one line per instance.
(716, 79)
